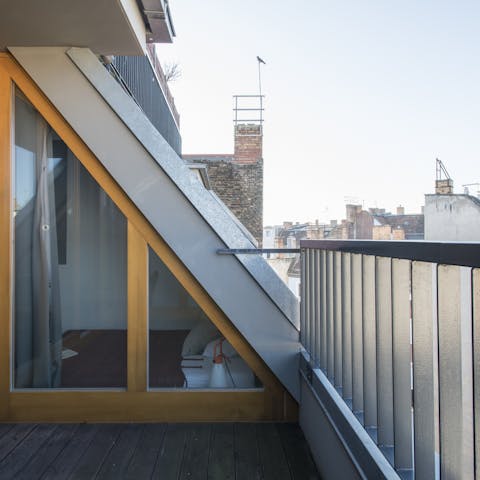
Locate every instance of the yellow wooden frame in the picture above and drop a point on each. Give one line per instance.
(273, 402)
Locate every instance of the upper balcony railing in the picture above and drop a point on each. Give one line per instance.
(394, 327)
(144, 81)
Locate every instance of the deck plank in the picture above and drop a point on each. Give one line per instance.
(91, 461)
(115, 464)
(5, 428)
(272, 455)
(146, 453)
(243, 451)
(221, 461)
(195, 461)
(302, 466)
(13, 437)
(13, 463)
(247, 457)
(66, 461)
(47, 452)
(169, 461)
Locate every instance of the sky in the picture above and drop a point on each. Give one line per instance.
(361, 96)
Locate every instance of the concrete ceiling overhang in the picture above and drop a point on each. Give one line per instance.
(158, 19)
(107, 27)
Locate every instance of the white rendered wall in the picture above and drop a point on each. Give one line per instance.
(452, 218)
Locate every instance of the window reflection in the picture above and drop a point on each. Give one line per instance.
(186, 349)
(70, 266)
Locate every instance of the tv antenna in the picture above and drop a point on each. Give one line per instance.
(442, 171)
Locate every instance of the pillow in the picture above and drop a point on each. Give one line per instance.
(199, 337)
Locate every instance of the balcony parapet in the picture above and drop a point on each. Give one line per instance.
(163, 81)
(394, 328)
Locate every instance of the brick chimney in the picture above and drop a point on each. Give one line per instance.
(444, 187)
(352, 212)
(248, 143)
(400, 210)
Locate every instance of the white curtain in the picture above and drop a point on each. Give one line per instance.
(38, 326)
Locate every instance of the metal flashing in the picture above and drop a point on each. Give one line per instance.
(216, 216)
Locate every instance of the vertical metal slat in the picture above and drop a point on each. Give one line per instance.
(402, 357)
(306, 343)
(369, 342)
(425, 369)
(476, 363)
(455, 372)
(337, 318)
(330, 319)
(312, 310)
(383, 295)
(323, 310)
(302, 298)
(317, 307)
(347, 326)
(357, 336)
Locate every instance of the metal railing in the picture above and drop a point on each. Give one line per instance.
(395, 327)
(143, 82)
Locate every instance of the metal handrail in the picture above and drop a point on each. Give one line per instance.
(448, 253)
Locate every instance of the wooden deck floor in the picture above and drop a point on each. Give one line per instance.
(258, 451)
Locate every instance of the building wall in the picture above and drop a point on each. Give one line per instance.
(452, 218)
(398, 234)
(294, 285)
(240, 187)
(382, 232)
(238, 179)
(281, 266)
(363, 225)
(385, 232)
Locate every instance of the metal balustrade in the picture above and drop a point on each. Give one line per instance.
(145, 83)
(397, 335)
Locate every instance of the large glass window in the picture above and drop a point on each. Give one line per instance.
(70, 321)
(186, 350)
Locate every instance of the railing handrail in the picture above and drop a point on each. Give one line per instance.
(448, 253)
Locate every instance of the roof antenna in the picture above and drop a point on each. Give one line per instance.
(443, 182)
(441, 170)
(260, 61)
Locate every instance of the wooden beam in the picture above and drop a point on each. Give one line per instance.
(121, 406)
(137, 334)
(5, 237)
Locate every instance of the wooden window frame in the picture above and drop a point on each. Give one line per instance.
(272, 402)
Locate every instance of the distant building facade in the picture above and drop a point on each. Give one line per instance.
(371, 224)
(378, 224)
(450, 216)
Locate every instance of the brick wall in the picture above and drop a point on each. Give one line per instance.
(238, 179)
(248, 143)
(240, 187)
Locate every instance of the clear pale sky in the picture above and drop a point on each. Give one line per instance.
(361, 95)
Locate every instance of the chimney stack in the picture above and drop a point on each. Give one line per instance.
(444, 187)
(352, 212)
(400, 210)
(248, 143)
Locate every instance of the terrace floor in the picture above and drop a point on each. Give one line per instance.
(241, 451)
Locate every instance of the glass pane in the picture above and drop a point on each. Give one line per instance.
(186, 350)
(70, 267)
